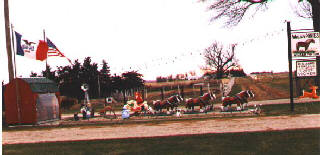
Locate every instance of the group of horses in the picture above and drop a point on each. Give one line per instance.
(172, 103)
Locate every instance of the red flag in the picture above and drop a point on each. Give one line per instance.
(42, 50)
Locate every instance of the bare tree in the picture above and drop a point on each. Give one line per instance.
(304, 9)
(219, 58)
(234, 10)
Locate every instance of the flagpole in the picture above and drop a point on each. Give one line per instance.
(44, 39)
(14, 52)
(18, 97)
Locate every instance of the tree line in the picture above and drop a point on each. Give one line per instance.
(101, 83)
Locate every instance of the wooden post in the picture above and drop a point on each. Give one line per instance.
(298, 87)
(317, 79)
(8, 39)
(124, 96)
(290, 66)
(182, 92)
(143, 97)
(162, 95)
(201, 91)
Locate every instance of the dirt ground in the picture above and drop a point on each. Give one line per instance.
(174, 128)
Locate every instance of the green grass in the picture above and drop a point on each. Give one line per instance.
(291, 142)
(284, 109)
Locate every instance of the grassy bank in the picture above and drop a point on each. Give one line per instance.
(276, 142)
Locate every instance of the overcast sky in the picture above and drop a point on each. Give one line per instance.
(157, 38)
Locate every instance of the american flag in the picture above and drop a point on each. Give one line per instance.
(54, 51)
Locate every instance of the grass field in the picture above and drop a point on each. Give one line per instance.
(284, 109)
(300, 142)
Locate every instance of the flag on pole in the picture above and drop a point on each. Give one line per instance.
(54, 51)
(32, 50)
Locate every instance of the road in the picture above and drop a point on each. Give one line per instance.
(172, 128)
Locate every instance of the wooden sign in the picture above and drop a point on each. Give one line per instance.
(306, 68)
(305, 44)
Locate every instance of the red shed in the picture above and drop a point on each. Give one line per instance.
(31, 101)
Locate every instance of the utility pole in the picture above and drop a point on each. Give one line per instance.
(8, 39)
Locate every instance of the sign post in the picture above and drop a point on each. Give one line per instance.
(290, 66)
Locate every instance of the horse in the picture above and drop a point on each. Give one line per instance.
(240, 99)
(201, 101)
(109, 108)
(172, 102)
(304, 44)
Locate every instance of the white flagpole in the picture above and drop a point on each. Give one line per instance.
(14, 52)
(44, 39)
(18, 97)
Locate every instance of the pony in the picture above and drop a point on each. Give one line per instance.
(201, 101)
(109, 108)
(240, 99)
(304, 44)
(172, 102)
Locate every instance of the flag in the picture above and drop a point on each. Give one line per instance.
(42, 50)
(32, 50)
(54, 51)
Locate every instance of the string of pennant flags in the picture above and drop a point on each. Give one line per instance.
(157, 62)
(43, 49)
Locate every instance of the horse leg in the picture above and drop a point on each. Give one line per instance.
(115, 116)
(205, 108)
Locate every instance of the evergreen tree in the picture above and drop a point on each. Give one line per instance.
(105, 80)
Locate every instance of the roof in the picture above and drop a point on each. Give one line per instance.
(41, 85)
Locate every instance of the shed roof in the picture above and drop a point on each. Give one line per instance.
(41, 85)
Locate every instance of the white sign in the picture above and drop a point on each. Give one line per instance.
(306, 68)
(305, 44)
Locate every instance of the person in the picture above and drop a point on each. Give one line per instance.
(84, 112)
(92, 112)
(75, 116)
(138, 98)
(125, 112)
(88, 114)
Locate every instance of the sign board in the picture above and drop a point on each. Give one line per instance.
(305, 44)
(306, 68)
(109, 100)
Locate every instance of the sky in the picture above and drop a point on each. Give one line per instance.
(156, 38)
